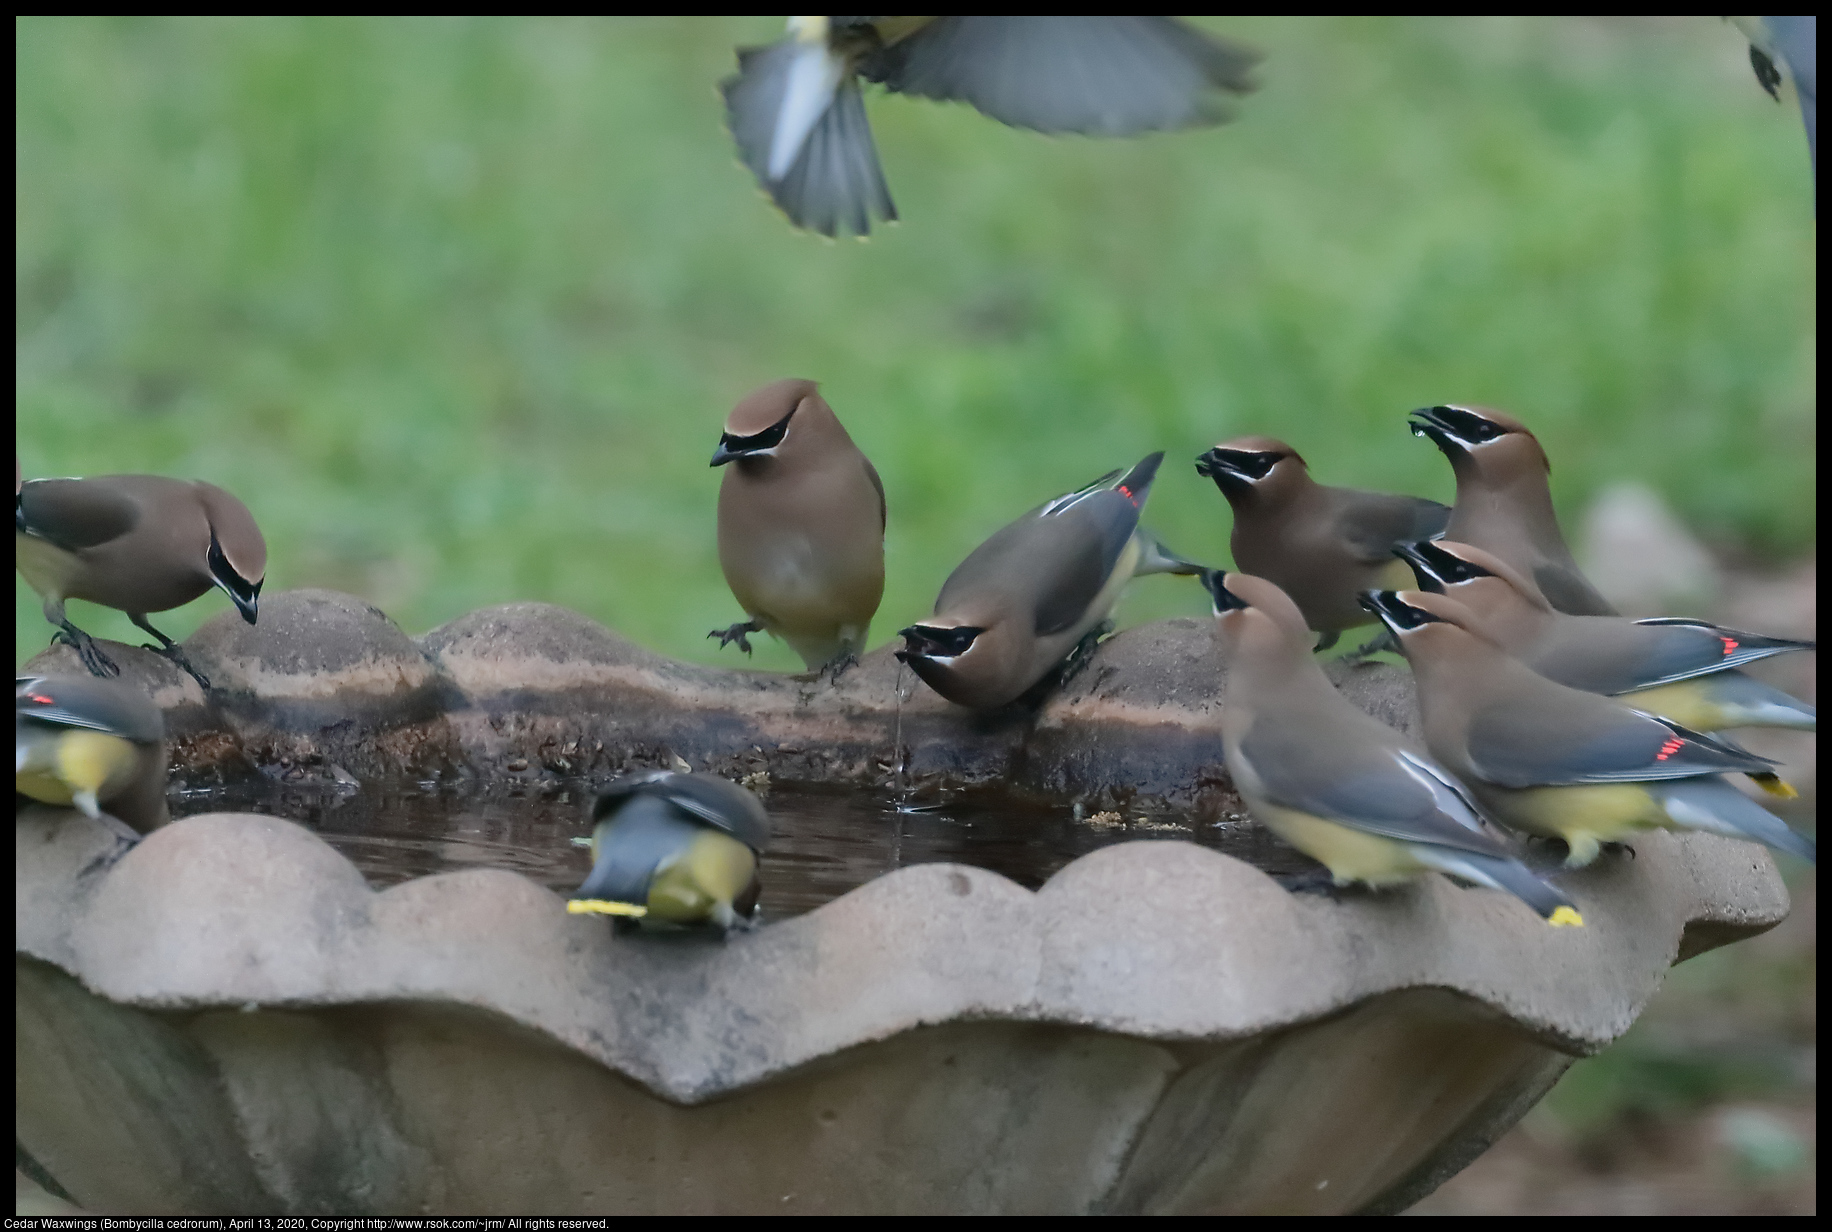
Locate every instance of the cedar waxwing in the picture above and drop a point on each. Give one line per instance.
(1344, 788)
(1503, 503)
(139, 543)
(797, 115)
(801, 526)
(1792, 43)
(1027, 597)
(1676, 668)
(1322, 546)
(1555, 761)
(94, 745)
(675, 849)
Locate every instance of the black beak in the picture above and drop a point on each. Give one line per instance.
(724, 453)
(1413, 555)
(1209, 463)
(1425, 422)
(249, 607)
(1224, 599)
(1394, 612)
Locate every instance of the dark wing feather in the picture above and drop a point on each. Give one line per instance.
(74, 513)
(1105, 76)
(1374, 788)
(1374, 523)
(1550, 746)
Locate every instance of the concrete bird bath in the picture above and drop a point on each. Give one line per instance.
(227, 1019)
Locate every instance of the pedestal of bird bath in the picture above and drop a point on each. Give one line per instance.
(225, 1018)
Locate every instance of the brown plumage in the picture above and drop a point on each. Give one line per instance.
(1680, 669)
(1322, 546)
(801, 526)
(137, 543)
(1560, 762)
(1504, 504)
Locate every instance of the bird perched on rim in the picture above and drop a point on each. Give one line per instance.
(1504, 505)
(1790, 44)
(95, 745)
(674, 849)
(1322, 546)
(1559, 762)
(801, 526)
(1679, 669)
(138, 543)
(1340, 786)
(798, 117)
(1038, 592)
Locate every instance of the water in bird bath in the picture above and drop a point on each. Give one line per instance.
(825, 841)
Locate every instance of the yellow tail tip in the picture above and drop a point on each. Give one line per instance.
(1565, 917)
(1775, 785)
(603, 906)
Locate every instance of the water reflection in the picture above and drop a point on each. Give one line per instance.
(826, 841)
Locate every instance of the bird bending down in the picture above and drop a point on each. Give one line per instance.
(675, 850)
(801, 526)
(1683, 670)
(1504, 504)
(1340, 786)
(1558, 762)
(137, 543)
(798, 117)
(95, 745)
(1027, 597)
(1322, 546)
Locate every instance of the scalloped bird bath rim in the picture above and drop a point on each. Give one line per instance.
(225, 1018)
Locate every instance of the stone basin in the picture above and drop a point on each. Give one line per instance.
(227, 1019)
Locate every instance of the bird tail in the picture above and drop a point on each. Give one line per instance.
(813, 155)
(1508, 874)
(1713, 805)
(1154, 557)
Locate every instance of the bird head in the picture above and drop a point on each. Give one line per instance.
(1249, 465)
(758, 426)
(1480, 435)
(237, 556)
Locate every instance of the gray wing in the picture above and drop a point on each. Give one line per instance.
(628, 846)
(1057, 561)
(835, 182)
(1375, 788)
(1105, 76)
(103, 705)
(1797, 39)
(1550, 746)
(74, 513)
(1374, 523)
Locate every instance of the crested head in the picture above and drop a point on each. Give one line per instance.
(237, 556)
(1249, 464)
(1490, 438)
(786, 416)
(1444, 566)
(1254, 614)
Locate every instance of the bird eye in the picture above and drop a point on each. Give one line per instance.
(1468, 425)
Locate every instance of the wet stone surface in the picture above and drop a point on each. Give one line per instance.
(825, 842)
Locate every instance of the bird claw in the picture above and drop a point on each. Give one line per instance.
(1078, 659)
(1384, 640)
(177, 658)
(837, 666)
(736, 633)
(1312, 881)
(98, 663)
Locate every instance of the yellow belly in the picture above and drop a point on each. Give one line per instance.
(46, 569)
(701, 883)
(1350, 855)
(1583, 816)
(1686, 702)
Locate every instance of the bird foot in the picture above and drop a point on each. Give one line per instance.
(177, 658)
(98, 663)
(1384, 640)
(1312, 881)
(736, 633)
(837, 666)
(1325, 641)
(1078, 659)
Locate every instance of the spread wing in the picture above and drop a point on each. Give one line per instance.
(1106, 76)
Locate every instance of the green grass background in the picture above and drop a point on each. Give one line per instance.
(458, 305)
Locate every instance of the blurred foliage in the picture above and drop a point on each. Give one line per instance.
(458, 305)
